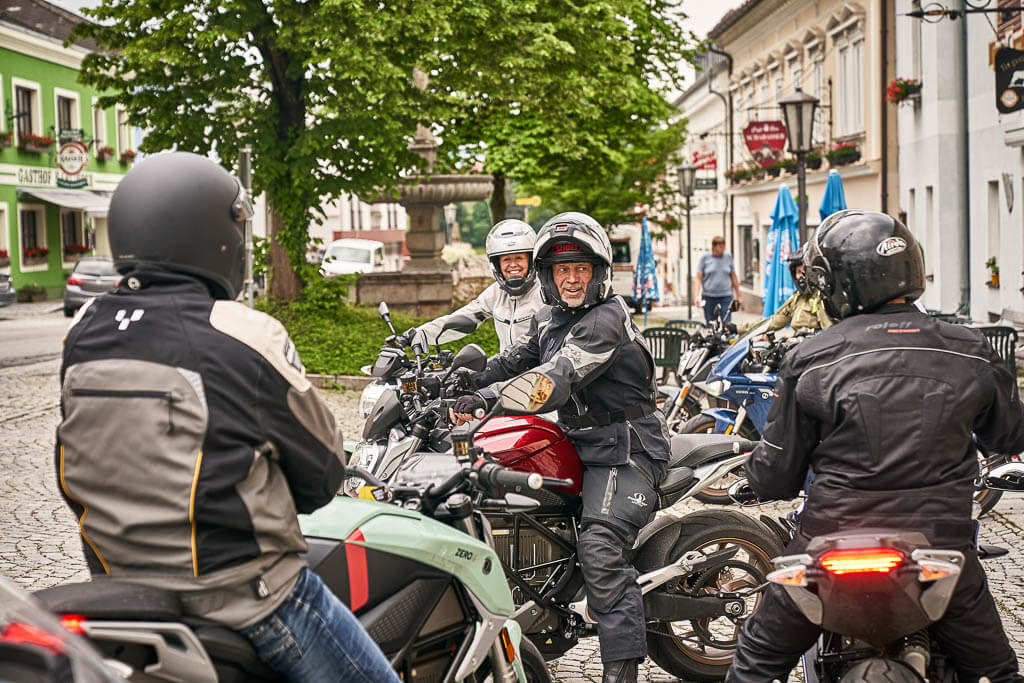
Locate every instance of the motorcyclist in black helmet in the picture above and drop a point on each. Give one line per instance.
(804, 311)
(881, 406)
(586, 341)
(190, 436)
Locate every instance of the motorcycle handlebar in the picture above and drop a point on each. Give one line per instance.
(495, 475)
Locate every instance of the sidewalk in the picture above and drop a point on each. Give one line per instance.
(658, 316)
(18, 311)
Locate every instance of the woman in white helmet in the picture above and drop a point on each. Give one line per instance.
(511, 300)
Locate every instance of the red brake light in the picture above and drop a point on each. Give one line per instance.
(73, 623)
(24, 634)
(861, 560)
(72, 280)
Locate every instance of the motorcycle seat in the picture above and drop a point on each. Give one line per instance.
(692, 450)
(674, 485)
(111, 599)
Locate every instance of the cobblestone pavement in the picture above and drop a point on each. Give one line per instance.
(39, 545)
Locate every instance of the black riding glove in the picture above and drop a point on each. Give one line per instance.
(467, 405)
(406, 337)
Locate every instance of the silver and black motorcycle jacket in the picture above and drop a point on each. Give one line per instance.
(881, 407)
(512, 315)
(190, 438)
(602, 370)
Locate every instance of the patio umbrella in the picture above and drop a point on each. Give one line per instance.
(782, 241)
(645, 277)
(834, 198)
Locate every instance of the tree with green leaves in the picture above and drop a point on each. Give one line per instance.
(322, 90)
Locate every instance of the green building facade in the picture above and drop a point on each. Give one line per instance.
(61, 156)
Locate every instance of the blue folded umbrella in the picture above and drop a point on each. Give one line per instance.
(645, 277)
(834, 198)
(783, 240)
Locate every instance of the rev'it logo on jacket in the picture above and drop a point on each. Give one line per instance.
(124, 320)
(890, 246)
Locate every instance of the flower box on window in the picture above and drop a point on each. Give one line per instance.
(38, 144)
(105, 153)
(6, 139)
(903, 90)
(127, 156)
(73, 249)
(5, 258)
(843, 153)
(813, 160)
(35, 254)
(773, 169)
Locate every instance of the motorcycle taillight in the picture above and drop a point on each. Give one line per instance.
(73, 623)
(861, 560)
(26, 634)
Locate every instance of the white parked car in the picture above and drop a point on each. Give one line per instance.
(350, 255)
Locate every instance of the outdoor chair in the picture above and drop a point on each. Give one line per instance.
(688, 325)
(954, 318)
(1004, 341)
(666, 344)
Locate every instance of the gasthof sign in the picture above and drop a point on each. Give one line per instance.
(72, 158)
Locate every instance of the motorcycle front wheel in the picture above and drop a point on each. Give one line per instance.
(534, 666)
(717, 493)
(702, 649)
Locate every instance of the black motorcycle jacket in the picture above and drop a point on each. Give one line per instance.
(882, 407)
(190, 438)
(603, 371)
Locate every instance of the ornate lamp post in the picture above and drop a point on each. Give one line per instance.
(798, 112)
(687, 179)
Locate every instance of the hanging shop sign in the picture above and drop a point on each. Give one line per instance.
(72, 158)
(1009, 68)
(705, 157)
(706, 183)
(765, 141)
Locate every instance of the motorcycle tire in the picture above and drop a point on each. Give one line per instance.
(681, 647)
(534, 666)
(691, 409)
(717, 493)
(877, 670)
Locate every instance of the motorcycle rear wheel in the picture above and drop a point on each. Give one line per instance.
(717, 493)
(682, 648)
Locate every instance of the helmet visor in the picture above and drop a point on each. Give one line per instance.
(241, 208)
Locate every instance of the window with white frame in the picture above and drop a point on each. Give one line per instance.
(763, 100)
(66, 106)
(848, 35)
(72, 237)
(28, 114)
(124, 131)
(5, 247)
(99, 126)
(32, 234)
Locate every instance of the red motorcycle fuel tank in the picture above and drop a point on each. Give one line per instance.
(532, 444)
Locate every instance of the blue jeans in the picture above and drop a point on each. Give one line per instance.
(709, 308)
(314, 637)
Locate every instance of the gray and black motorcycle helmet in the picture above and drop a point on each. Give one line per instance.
(573, 237)
(797, 259)
(859, 260)
(511, 236)
(181, 212)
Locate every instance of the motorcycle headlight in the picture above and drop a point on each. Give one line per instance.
(371, 392)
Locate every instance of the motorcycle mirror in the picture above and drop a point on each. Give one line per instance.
(718, 311)
(458, 323)
(470, 356)
(1008, 477)
(527, 394)
(383, 312)
(743, 494)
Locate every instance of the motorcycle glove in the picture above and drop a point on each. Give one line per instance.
(406, 337)
(468, 404)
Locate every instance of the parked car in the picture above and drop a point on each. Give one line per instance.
(7, 292)
(351, 255)
(92, 276)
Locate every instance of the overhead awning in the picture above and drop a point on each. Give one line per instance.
(89, 202)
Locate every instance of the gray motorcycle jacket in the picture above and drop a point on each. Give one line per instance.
(601, 367)
(512, 315)
(190, 438)
(881, 407)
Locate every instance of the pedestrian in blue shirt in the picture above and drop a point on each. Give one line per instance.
(715, 273)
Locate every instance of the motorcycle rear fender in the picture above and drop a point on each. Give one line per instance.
(409, 534)
(724, 417)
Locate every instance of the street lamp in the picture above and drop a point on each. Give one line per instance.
(687, 178)
(798, 111)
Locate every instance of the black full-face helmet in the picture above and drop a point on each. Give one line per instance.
(859, 260)
(795, 260)
(181, 212)
(573, 237)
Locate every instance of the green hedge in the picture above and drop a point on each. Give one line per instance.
(335, 338)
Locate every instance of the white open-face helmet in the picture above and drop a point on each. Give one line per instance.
(573, 237)
(511, 236)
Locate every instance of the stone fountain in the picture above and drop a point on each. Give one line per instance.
(425, 284)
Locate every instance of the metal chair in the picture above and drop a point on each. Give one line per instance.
(1004, 341)
(666, 344)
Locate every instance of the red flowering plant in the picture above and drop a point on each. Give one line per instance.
(36, 252)
(902, 89)
(76, 248)
(33, 140)
(5, 138)
(4, 254)
(843, 153)
(127, 155)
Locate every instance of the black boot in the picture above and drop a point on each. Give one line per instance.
(620, 671)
